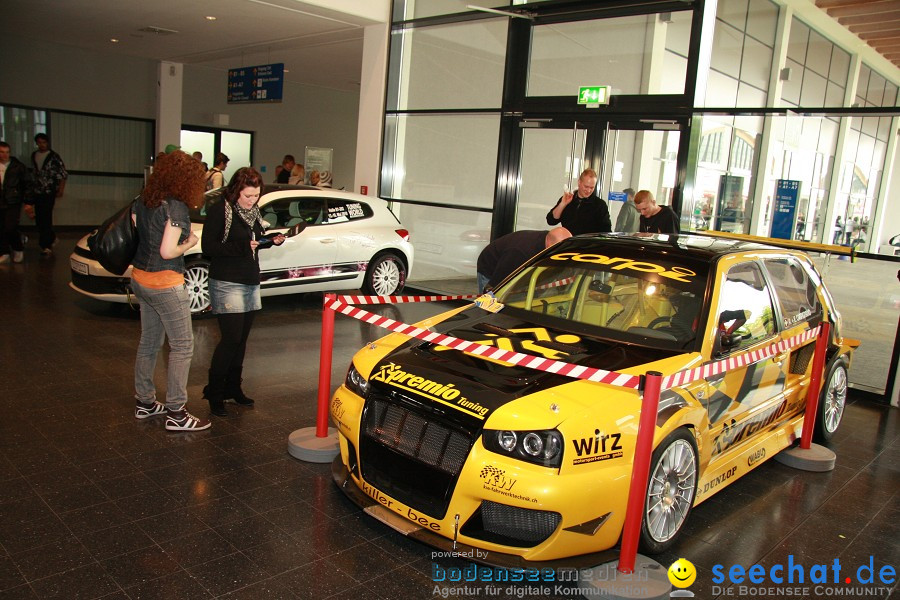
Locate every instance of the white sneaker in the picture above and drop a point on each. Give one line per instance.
(4, 259)
(18, 256)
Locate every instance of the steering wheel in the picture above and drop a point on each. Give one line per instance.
(659, 321)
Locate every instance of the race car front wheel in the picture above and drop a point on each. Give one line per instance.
(832, 401)
(670, 491)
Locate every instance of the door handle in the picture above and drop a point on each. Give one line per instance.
(327, 240)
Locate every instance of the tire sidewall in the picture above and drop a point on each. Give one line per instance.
(649, 545)
(369, 288)
(821, 433)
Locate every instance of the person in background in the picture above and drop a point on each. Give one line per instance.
(157, 278)
(509, 252)
(13, 179)
(287, 165)
(198, 156)
(325, 179)
(314, 177)
(629, 217)
(215, 177)
(230, 239)
(655, 218)
(838, 231)
(48, 184)
(298, 175)
(583, 211)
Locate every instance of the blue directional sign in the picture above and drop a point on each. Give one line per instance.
(787, 192)
(262, 83)
(617, 196)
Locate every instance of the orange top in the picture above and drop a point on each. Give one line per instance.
(158, 280)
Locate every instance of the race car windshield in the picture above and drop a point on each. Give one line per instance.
(625, 298)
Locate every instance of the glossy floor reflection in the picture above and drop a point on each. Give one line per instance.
(96, 504)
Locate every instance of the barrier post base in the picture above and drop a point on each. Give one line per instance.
(817, 458)
(304, 445)
(649, 580)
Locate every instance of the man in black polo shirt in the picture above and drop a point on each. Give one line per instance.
(509, 252)
(584, 211)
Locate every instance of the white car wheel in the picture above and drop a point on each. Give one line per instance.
(385, 276)
(196, 278)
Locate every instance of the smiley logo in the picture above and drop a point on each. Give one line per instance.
(682, 573)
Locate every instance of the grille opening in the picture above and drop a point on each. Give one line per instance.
(511, 525)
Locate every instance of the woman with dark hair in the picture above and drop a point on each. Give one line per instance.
(157, 278)
(231, 237)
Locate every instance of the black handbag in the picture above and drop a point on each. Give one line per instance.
(115, 242)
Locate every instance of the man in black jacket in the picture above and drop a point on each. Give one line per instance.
(584, 211)
(48, 184)
(509, 252)
(655, 218)
(13, 178)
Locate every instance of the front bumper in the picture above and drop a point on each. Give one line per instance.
(460, 550)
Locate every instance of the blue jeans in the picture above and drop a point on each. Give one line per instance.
(482, 281)
(229, 297)
(164, 312)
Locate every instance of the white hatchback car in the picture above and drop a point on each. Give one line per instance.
(350, 242)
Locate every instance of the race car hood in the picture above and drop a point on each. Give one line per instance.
(466, 388)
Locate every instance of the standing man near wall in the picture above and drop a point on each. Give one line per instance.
(13, 175)
(583, 211)
(48, 184)
(287, 164)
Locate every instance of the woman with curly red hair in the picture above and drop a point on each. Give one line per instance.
(157, 278)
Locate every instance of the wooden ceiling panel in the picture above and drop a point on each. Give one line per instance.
(877, 22)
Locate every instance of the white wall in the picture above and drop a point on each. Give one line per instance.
(308, 116)
(53, 76)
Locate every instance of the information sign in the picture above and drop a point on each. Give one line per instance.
(593, 94)
(262, 83)
(786, 193)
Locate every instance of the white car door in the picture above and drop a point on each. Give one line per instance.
(354, 224)
(305, 258)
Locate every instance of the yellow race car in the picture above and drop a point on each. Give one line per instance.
(512, 466)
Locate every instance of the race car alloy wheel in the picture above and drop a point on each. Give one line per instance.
(385, 276)
(196, 278)
(832, 401)
(670, 491)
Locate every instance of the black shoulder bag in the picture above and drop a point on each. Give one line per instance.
(115, 242)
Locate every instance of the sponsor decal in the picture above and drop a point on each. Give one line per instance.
(735, 432)
(521, 343)
(801, 316)
(602, 446)
(718, 480)
(677, 273)
(337, 413)
(756, 457)
(394, 375)
(400, 510)
(495, 480)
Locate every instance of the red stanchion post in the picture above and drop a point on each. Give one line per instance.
(815, 384)
(643, 449)
(325, 353)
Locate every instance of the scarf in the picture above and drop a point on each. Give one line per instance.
(250, 217)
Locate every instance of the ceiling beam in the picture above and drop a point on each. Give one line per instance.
(867, 8)
(892, 18)
(875, 28)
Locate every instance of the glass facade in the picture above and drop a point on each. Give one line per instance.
(483, 133)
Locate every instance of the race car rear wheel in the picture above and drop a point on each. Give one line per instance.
(670, 491)
(832, 401)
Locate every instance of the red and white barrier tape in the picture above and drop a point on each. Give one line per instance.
(739, 360)
(399, 299)
(614, 378)
(514, 358)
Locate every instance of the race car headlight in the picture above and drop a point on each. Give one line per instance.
(539, 447)
(356, 383)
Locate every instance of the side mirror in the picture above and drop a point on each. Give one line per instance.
(599, 286)
(727, 341)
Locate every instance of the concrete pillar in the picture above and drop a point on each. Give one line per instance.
(168, 104)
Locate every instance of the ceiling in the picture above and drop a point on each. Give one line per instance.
(875, 22)
(318, 46)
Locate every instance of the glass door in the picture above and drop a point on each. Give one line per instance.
(552, 156)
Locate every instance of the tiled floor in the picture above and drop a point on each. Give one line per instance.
(96, 504)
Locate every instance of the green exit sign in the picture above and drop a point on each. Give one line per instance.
(593, 94)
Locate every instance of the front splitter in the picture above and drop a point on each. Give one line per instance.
(460, 550)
